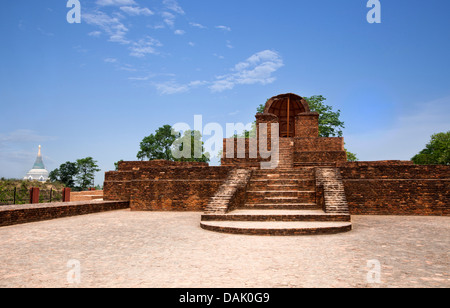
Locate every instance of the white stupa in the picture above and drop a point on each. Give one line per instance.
(38, 172)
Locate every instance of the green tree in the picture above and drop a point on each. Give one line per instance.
(86, 172)
(65, 174)
(330, 124)
(351, 156)
(197, 151)
(158, 145)
(436, 152)
(116, 165)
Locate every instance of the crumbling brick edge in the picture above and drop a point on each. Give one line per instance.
(20, 214)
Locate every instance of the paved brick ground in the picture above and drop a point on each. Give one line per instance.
(147, 249)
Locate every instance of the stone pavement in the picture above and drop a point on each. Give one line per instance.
(154, 249)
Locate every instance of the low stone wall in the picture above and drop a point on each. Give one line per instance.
(19, 214)
(396, 188)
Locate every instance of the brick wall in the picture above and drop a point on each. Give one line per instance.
(396, 188)
(164, 186)
(19, 214)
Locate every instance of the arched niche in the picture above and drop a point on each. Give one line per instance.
(286, 107)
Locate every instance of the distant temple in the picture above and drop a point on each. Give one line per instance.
(38, 172)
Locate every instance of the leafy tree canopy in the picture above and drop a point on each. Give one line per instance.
(65, 174)
(330, 124)
(436, 152)
(160, 145)
(86, 172)
(79, 174)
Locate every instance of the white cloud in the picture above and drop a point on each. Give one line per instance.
(256, 69)
(179, 32)
(95, 33)
(197, 25)
(144, 78)
(173, 5)
(171, 88)
(144, 46)
(110, 25)
(192, 44)
(115, 2)
(168, 18)
(224, 28)
(136, 11)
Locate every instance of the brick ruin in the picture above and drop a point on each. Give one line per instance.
(312, 190)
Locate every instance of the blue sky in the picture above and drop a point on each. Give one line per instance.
(97, 88)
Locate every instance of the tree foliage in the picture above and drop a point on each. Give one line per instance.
(116, 165)
(86, 172)
(196, 153)
(65, 174)
(79, 174)
(436, 152)
(159, 145)
(330, 124)
(166, 140)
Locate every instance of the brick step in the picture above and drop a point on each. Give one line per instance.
(280, 193)
(283, 177)
(282, 206)
(276, 215)
(285, 197)
(276, 228)
(311, 164)
(299, 171)
(261, 186)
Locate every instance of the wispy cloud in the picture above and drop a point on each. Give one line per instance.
(197, 25)
(224, 28)
(115, 2)
(144, 47)
(112, 26)
(180, 32)
(171, 87)
(95, 33)
(110, 60)
(173, 5)
(259, 68)
(136, 11)
(407, 137)
(23, 135)
(168, 18)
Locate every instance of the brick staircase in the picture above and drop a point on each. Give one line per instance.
(333, 189)
(222, 200)
(283, 202)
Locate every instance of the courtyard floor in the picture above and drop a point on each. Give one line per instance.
(155, 249)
